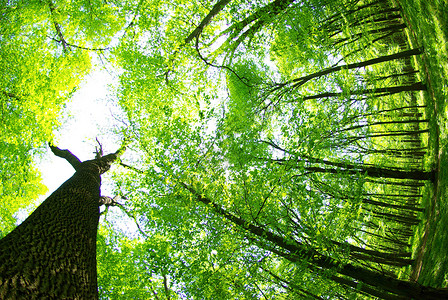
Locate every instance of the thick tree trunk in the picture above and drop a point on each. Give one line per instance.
(52, 254)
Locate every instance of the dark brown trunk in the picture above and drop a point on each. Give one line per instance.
(302, 80)
(418, 86)
(355, 37)
(366, 289)
(377, 172)
(52, 254)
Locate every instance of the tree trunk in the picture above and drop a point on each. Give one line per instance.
(52, 254)
(302, 80)
(418, 86)
(378, 172)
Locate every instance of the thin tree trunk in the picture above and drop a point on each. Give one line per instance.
(342, 15)
(377, 172)
(302, 80)
(351, 169)
(355, 37)
(418, 86)
(394, 206)
(366, 289)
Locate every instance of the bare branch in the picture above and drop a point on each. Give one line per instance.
(132, 168)
(99, 149)
(64, 42)
(67, 155)
(108, 201)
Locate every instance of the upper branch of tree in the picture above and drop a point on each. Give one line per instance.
(102, 162)
(67, 155)
(98, 150)
(213, 12)
(108, 159)
(218, 66)
(65, 44)
(57, 26)
(135, 17)
(104, 200)
(132, 168)
(262, 16)
(265, 12)
(267, 197)
(198, 30)
(11, 95)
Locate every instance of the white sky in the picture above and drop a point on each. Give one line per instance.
(92, 113)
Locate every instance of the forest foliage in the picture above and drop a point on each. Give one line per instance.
(276, 148)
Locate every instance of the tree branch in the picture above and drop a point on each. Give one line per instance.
(108, 201)
(99, 149)
(64, 42)
(57, 26)
(67, 155)
(213, 12)
(302, 80)
(132, 168)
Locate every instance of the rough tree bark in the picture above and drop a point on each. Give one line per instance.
(52, 254)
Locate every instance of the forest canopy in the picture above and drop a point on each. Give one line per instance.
(275, 147)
